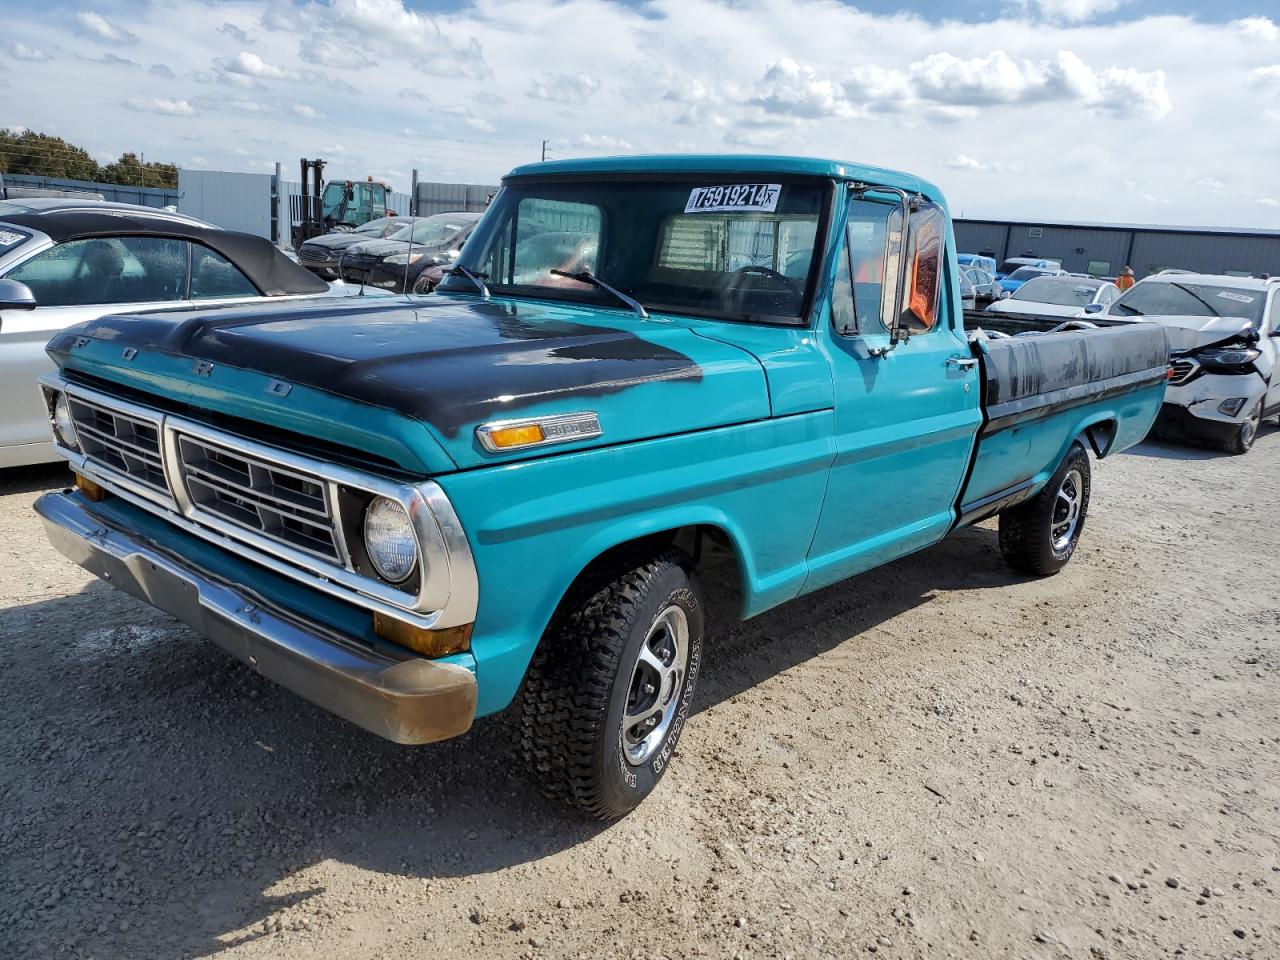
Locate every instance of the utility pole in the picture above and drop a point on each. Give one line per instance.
(544, 151)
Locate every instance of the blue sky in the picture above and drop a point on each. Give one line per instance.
(1099, 110)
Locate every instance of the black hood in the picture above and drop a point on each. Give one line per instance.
(453, 362)
(377, 249)
(338, 241)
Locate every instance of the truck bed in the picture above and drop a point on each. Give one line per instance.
(1041, 393)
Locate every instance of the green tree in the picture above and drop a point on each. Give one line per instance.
(40, 155)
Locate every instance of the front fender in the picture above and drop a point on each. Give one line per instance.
(535, 526)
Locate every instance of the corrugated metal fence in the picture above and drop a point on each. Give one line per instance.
(115, 192)
(452, 197)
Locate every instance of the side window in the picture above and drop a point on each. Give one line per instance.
(214, 276)
(843, 316)
(1274, 313)
(106, 270)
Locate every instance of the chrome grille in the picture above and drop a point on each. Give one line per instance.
(313, 254)
(255, 494)
(124, 443)
(1182, 370)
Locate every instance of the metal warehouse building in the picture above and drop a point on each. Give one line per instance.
(1105, 249)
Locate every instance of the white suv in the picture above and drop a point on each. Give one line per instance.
(1224, 342)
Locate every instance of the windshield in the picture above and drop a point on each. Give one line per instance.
(1010, 266)
(1063, 291)
(1027, 273)
(433, 230)
(711, 246)
(1153, 298)
(374, 228)
(332, 198)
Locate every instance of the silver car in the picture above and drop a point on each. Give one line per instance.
(63, 261)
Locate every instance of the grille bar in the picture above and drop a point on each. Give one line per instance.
(288, 506)
(1183, 370)
(122, 443)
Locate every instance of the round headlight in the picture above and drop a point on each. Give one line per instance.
(63, 425)
(389, 539)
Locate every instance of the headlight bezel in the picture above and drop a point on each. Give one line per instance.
(60, 406)
(1227, 358)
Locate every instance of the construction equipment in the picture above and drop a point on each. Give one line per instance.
(337, 205)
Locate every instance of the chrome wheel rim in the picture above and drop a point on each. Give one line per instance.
(1066, 510)
(1249, 429)
(653, 694)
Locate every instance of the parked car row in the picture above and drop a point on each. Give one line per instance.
(63, 261)
(401, 254)
(1224, 338)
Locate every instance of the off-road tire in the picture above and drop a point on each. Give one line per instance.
(1026, 530)
(1241, 441)
(578, 684)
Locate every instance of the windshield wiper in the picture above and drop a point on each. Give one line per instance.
(586, 276)
(474, 278)
(1191, 293)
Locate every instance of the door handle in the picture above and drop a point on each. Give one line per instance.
(964, 363)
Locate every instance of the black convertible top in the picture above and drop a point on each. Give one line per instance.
(266, 267)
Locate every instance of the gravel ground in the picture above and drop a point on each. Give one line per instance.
(937, 759)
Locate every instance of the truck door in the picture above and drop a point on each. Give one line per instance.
(906, 418)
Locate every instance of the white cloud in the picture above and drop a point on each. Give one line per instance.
(962, 162)
(1212, 184)
(589, 141)
(1258, 28)
(1270, 201)
(1075, 11)
(306, 112)
(160, 70)
(100, 28)
(796, 90)
(165, 105)
(1265, 76)
(563, 87)
(249, 64)
(234, 32)
(21, 51)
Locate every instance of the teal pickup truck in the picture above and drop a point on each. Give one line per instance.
(411, 510)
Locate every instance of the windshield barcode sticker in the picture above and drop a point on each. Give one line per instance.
(734, 196)
(1237, 297)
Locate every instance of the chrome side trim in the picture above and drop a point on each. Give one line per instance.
(449, 592)
(560, 428)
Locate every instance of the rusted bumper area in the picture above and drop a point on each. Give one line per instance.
(406, 700)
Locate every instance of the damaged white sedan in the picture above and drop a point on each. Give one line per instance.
(1224, 338)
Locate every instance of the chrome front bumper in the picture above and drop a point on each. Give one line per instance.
(406, 700)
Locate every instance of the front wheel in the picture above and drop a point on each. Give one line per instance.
(1039, 536)
(1241, 441)
(609, 688)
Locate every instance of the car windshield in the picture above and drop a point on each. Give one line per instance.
(708, 246)
(375, 228)
(1027, 273)
(1010, 266)
(433, 230)
(1063, 291)
(1156, 298)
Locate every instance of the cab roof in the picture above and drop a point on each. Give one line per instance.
(731, 163)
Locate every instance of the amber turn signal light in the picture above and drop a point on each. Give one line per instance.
(429, 643)
(95, 492)
(522, 436)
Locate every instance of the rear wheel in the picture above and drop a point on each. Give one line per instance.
(1038, 537)
(1242, 440)
(609, 688)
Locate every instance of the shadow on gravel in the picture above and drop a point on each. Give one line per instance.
(156, 791)
(1192, 450)
(42, 476)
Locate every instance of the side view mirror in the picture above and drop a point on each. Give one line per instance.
(16, 296)
(1094, 308)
